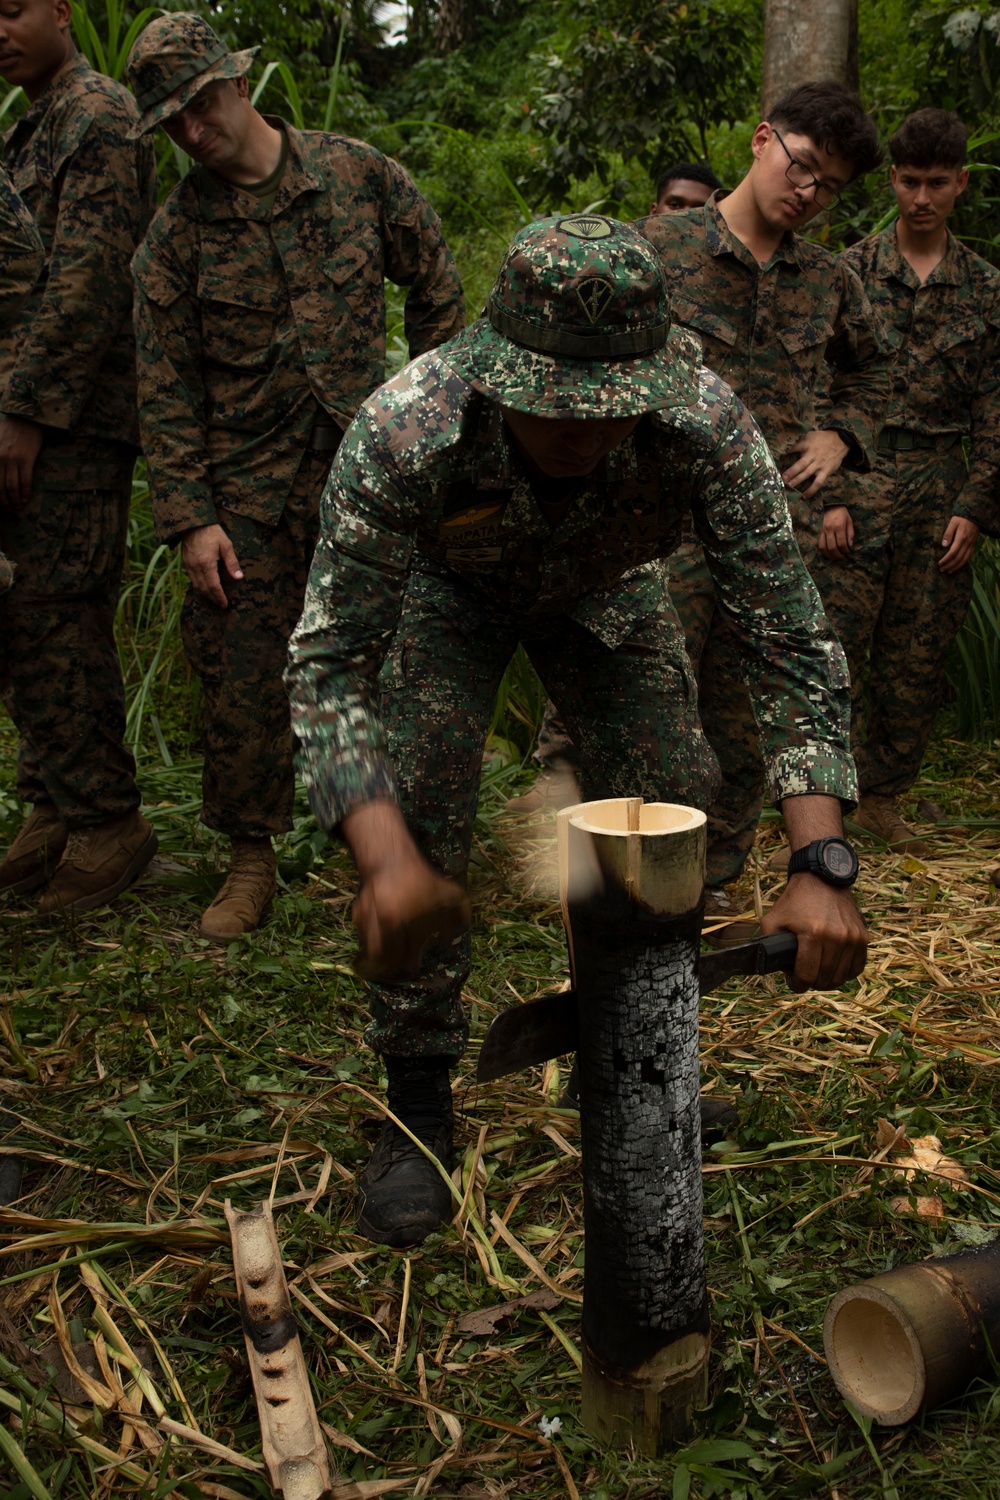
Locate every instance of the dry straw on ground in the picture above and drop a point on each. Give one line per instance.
(442, 1371)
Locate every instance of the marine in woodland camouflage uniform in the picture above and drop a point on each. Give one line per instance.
(771, 330)
(888, 595)
(68, 442)
(436, 539)
(261, 327)
(22, 260)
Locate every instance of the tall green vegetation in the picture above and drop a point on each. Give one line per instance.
(570, 104)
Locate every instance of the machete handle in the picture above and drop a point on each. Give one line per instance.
(778, 951)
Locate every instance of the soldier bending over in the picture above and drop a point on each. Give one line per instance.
(517, 485)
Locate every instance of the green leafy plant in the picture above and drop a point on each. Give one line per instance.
(641, 79)
(107, 38)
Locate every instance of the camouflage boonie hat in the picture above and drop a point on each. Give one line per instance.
(578, 324)
(172, 60)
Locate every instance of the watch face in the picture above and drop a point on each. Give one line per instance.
(839, 859)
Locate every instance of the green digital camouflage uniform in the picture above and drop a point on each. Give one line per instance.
(69, 364)
(260, 330)
(22, 260)
(436, 558)
(772, 332)
(889, 597)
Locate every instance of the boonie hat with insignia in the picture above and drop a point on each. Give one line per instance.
(578, 324)
(172, 60)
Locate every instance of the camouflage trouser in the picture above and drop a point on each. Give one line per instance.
(240, 653)
(632, 713)
(60, 673)
(889, 603)
(724, 701)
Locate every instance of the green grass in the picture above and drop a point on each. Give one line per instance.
(141, 1071)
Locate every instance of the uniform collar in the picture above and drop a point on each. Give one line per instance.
(70, 74)
(890, 263)
(720, 240)
(221, 199)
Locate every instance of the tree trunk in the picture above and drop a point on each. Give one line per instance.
(631, 878)
(451, 30)
(808, 40)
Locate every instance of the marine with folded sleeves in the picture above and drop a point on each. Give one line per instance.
(518, 484)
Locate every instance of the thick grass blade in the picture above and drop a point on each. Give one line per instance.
(21, 1465)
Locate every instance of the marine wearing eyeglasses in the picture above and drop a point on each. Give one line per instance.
(775, 313)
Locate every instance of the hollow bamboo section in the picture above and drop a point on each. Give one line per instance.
(631, 886)
(915, 1337)
(291, 1439)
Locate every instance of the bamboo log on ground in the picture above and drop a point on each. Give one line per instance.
(631, 887)
(915, 1337)
(291, 1439)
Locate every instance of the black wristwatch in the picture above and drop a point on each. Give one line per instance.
(832, 860)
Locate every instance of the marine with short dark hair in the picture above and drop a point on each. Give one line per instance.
(684, 184)
(775, 313)
(260, 316)
(518, 485)
(895, 568)
(68, 443)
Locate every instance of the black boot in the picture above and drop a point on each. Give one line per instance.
(403, 1197)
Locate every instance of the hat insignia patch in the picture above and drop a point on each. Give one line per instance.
(587, 227)
(595, 294)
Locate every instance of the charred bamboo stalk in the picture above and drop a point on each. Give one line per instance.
(291, 1439)
(631, 883)
(915, 1337)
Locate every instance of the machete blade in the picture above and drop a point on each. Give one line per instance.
(538, 1030)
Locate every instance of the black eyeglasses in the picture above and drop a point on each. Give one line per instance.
(799, 174)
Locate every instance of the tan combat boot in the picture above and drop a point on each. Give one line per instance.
(878, 815)
(35, 853)
(247, 893)
(98, 863)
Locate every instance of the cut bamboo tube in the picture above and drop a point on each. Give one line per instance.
(291, 1440)
(915, 1337)
(631, 885)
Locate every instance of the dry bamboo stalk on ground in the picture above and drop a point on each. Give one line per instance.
(294, 1451)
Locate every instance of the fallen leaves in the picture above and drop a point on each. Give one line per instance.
(921, 1154)
(486, 1321)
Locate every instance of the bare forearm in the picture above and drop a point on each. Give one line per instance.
(377, 836)
(812, 817)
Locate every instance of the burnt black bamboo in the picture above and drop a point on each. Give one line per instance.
(633, 907)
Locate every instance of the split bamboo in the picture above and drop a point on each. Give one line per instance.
(631, 886)
(291, 1440)
(915, 1337)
